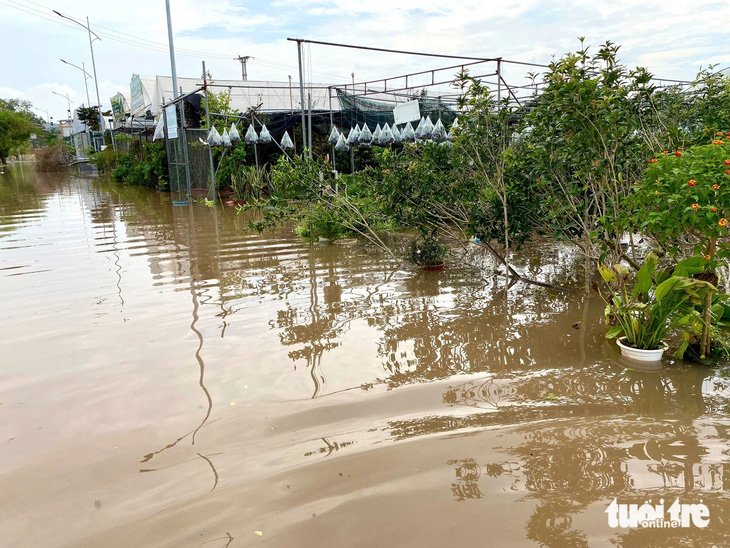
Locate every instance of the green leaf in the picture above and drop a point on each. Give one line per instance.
(614, 332)
(665, 287)
(643, 281)
(690, 267)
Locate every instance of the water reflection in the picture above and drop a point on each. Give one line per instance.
(445, 352)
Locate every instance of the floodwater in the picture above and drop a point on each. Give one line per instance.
(171, 380)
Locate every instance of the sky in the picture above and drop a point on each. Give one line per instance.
(672, 39)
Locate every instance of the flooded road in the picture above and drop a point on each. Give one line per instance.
(171, 380)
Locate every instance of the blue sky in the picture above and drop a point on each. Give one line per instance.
(671, 38)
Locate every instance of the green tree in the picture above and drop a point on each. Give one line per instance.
(15, 131)
(586, 147)
(90, 116)
(22, 106)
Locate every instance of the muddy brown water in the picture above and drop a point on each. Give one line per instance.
(171, 380)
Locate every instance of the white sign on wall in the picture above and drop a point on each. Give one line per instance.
(171, 118)
(407, 112)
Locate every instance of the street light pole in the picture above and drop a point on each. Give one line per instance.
(67, 99)
(93, 61)
(96, 80)
(86, 77)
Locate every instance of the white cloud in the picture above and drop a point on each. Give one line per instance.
(671, 38)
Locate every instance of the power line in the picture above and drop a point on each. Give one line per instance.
(140, 39)
(131, 41)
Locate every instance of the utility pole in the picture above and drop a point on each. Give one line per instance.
(243, 59)
(301, 95)
(172, 50)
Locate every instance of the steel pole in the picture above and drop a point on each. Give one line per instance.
(499, 84)
(185, 147)
(301, 95)
(255, 150)
(309, 129)
(86, 84)
(172, 50)
(332, 124)
(96, 80)
(207, 124)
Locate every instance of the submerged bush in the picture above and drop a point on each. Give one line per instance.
(150, 171)
(52, 158)
(427, 252)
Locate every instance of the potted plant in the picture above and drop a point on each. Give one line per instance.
(639, 316)
(428, 253)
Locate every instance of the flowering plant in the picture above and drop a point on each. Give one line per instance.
(686, 199)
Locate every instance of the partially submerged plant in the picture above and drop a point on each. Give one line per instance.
(427, 252)
(642, 314)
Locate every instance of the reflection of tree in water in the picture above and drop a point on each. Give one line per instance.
(569, 467)
(437, 324)
(473, 329)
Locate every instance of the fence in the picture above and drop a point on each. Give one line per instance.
(198, 160)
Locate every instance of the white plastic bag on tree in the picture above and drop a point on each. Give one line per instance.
(376, 134)
(342, 143)
(334, 136)
(419, 128)
(264, 135)
(214, 138)
(286, 142)
(366, 137)
(386, 135)
(234, 135)
(159, 130)
(426, 130)
(408, 135)
(439, 132)
(251, 137)
(354, 135)
(226, 138)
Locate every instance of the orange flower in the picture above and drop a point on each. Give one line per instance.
(707, 257)
(695, 206)
(713, 209)
(716, 187)
(727, 172)
(719, 133)
(691, 182)
(727, 162)
(654, 161)
(665, 153)
(677, 154)
(718, 142)
(722, 222)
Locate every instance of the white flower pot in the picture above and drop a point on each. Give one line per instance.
(640, 355)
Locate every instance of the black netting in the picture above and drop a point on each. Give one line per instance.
(360, 110)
